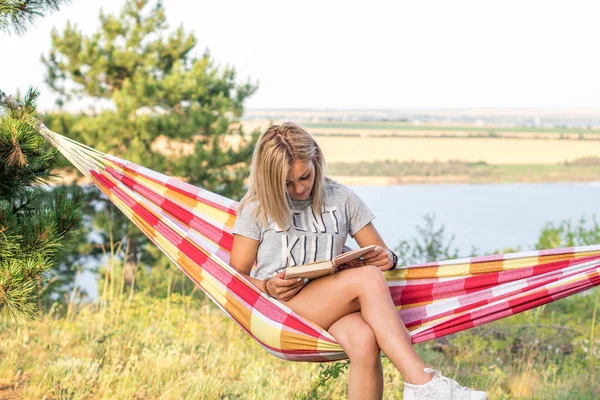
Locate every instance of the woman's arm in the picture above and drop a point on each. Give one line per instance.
(243, 254)
(381, 256)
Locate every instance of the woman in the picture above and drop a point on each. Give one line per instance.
(293, 215)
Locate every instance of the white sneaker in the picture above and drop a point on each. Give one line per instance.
(440, 388)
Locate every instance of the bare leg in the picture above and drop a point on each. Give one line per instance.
(364, 289)
(358, 341)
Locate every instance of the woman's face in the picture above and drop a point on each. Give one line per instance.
(300, 179)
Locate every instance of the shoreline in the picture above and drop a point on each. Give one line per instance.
(443, 180)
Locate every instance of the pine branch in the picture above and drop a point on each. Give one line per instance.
(17, 15)
(18, 286)
(25, 156)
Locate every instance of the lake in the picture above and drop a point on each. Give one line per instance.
(487, 216)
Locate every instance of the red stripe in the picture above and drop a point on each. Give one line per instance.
(293, 322)
(204, 262)
(248, 295)
(480, 282)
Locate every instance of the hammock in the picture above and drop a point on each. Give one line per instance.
(193, 226)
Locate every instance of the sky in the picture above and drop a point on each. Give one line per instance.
(368, 55)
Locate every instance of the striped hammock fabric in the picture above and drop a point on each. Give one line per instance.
(193, 226)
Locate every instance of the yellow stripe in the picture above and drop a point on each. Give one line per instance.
(239, 311)
(166, 245)
(587, 253)
(323, 345)
(171, 249)
(555, 257)
(230, 221)
(190, 267)
(150, 184)
(213, 213)
(268, 334)
(294, 341)
(421, 273)
(486, 267)
(517, 263)
(453, 271)
(214, 289)
(114, 166)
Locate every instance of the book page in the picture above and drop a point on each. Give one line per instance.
(352, 255)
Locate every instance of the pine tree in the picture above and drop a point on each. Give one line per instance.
(36, 228)
(166, 108)
(17, 15)
(162, 105)
(36, 224)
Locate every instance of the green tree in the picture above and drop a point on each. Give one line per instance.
(158, 104)
(585, 231)
(36, 227)
(430, 245)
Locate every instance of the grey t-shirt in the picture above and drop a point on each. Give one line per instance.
(313, 236)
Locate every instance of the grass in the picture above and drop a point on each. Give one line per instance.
(181, 347)
(144, 348)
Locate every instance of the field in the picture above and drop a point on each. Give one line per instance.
(492, 151)
(378, 141)
(380, 173)
(386, 153)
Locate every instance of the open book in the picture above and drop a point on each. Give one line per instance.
(318, 269)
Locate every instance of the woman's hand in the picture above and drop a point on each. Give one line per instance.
(380, 257)
(284, 289)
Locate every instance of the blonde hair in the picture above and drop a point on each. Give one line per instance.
(275, 153)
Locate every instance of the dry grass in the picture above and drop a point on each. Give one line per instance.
(146, 348)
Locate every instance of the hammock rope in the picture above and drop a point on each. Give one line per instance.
(192, 226)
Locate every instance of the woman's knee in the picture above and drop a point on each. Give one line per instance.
(370, 276)
(361, 345)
